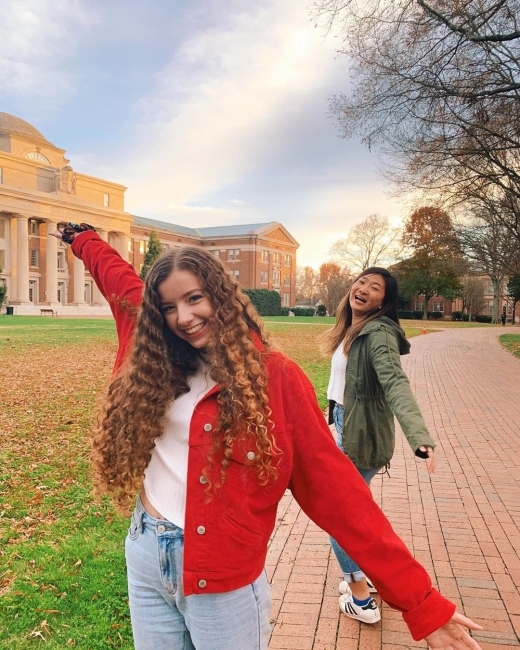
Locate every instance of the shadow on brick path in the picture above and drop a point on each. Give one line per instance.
(462, 524)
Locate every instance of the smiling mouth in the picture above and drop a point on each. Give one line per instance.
(360, 299)
(195, 330)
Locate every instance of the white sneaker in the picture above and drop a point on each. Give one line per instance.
(345, 589)
(368, 613)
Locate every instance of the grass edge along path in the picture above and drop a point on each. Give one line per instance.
(511, 343)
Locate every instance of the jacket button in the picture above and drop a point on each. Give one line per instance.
(250, 455)
(202, 584)
(203, 480)
(201, 530)
(207, 427)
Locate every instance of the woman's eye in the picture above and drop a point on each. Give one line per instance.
(167, 309)
(195, 297)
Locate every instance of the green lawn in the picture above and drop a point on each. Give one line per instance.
(511, 342)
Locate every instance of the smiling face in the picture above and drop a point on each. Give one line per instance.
(186, 308)
(367, 295)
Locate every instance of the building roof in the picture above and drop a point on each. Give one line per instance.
(12, 124)
(238, 229)
(212, 231)
(162, 225)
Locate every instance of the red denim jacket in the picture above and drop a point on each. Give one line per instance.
(226, 540)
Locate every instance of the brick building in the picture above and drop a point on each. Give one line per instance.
(39, 190)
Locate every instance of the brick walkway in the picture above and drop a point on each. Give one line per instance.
(463, 524)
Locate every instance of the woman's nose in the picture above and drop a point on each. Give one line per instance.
(184, 315)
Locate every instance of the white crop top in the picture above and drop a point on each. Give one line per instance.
(338, 369)
(166, 475)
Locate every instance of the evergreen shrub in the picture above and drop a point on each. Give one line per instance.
(265, 301)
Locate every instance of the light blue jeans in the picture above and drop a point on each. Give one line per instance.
(164, 619)
(351, 571)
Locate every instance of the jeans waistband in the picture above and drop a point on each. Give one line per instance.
(142, 519)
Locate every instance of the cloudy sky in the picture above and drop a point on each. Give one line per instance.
(211, 112)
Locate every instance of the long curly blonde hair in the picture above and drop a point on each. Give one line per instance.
(157, 371)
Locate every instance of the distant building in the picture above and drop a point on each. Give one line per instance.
(39, 191)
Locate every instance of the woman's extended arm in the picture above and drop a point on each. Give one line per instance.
(115, 278)
(386, 361)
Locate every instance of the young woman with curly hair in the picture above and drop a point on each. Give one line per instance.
(208, 426)
(367, 387)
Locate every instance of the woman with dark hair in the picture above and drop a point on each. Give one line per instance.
(367, 387)
(203, 429)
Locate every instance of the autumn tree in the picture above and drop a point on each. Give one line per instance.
(153, 251)
(434, 263)
(333, 284)
(435, 88)
(306, 285)
(373, 242)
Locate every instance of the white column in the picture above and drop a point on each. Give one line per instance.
(79, 282)
(123, 246)
(51, 283)
(22, 259)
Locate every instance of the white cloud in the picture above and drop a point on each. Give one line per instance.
(36, 41)
(220, 106)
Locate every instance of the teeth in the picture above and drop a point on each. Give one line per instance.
(195, 329)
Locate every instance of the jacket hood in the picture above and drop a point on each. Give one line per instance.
(387, 323)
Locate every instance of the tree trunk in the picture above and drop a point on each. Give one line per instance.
(496, 296)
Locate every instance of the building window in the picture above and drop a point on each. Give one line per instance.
(419, 306)
(34, 258)
(287, 260)
(287, 280)
(438, 306)
(276, 277)
(276, 258)
(286, 299)
(2, 259)
(61, 263)
(130, 244)
(265, 256)
(39, 157)
(235, 274)
(216, 253)
(143, 245)
(264, 277)
(233, 254)
(106, 200)
(165, 248)
(2, 228)
(510, 309)
(33, 227)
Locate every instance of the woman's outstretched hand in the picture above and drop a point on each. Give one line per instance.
(430, 461)
(454, 635)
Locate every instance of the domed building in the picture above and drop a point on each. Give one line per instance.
(40, 191)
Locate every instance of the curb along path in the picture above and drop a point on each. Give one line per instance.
(463, 524)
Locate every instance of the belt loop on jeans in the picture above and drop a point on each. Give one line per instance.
(140, 511)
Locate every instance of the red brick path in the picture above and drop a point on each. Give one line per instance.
(463, 524)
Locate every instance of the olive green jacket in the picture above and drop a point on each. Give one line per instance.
(376, 388)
